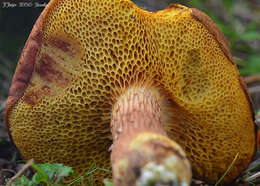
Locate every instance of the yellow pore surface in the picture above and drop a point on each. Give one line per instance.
(93, 49)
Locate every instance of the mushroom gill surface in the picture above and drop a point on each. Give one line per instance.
(82, 54)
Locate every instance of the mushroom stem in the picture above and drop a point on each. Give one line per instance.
(142, 153)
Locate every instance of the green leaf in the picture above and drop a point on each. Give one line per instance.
(108, 183)
(23, 181)
(253, 66)
(228, 4)
(250, 35)
(196, 3)
(63, 170)
(40, 176)
(46, 173)
(92, 179)
(55, 170)
(239, 61)
(253, 25)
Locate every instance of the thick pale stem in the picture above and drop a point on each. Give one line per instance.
(142, 153)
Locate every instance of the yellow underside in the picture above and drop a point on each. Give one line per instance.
(64, 115)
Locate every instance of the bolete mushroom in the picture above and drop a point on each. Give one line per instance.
(90, 63)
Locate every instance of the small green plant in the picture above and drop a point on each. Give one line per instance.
(48, 174)
(54, 175)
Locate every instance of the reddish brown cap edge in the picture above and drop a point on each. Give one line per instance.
(25, 65)
(214, 30)
(220, 38)
(244, 87)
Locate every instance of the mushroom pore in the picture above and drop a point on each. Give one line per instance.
(88, 65)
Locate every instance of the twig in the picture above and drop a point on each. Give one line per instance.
(25, 167)
(227, 171)
(6, 65)
(253, 177)
(253, 90)
(7, 170)
(5, 61)
(252, 78)
(2, 106)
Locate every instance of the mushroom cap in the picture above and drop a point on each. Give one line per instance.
(82, 54)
